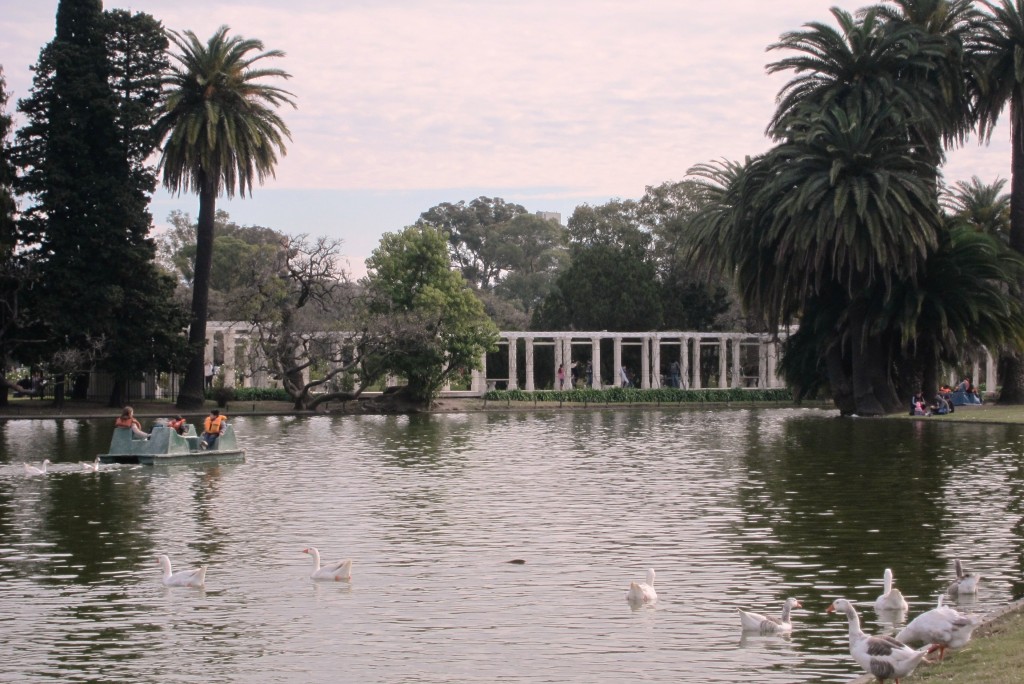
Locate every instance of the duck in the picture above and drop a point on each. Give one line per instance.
(883, 657)
(330, 572)
(642, 592)
(32, 470)
(183, 578)
(891, 598)
(941, 626)
(754, 622)
(93, 467)
(965, 582)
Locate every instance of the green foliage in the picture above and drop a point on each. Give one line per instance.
(428, 323)
(82, 153)
(605, 288)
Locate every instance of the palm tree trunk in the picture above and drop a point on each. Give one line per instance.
(194, 385)
(1011, 366)
(864, 358)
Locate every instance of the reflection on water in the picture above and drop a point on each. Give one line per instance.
(735, 508)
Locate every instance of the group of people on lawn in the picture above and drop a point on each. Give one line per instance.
(965, 394)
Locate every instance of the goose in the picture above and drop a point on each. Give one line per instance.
(753, 622)
(333, 572)
(891, 598)
(93, 467)
(182, 578)
(32, 470)
(881, 656)
(642, 592)
(941, 626)
(965, 582)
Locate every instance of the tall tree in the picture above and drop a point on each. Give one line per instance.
(1000, 45)
(82, 154)
(428, 324)
(221, 133)
(14, 273)
(983, 206)
(476, 235)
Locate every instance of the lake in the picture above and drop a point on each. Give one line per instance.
(734, 508)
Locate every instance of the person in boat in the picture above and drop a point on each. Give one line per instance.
(128, 421)
(213, 427)
(178, 424)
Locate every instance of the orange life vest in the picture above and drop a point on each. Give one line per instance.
(126, 423)
(213, 424)
(176, 425)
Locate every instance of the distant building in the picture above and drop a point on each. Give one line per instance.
(551, 216)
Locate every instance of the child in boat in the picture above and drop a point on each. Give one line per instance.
(127, 420)
(213, 427)
(177, 424)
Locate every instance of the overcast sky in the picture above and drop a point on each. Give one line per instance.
(404, 104)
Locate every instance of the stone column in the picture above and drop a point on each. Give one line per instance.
(595, 362)
(655, 361)
(229, 358)
(990, 372)
(723, 375)
(645, 362)
(684, 362)
(696, 364)
(567, 360)
(529, 363)
(513, 363)
(478, 384)
(773, 358)
(737, 349)
(762, 361)
(617, 361)
(557, 341)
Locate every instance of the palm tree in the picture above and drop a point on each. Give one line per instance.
(983, 206)
(220, 133)
(1000, 43)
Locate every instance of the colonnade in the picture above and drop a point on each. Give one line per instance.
(704, 359)
(743, 360)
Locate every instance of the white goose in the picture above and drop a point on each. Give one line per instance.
(642, 592)
(942, 626)
(881, 656)
(182, 578)
(891, 599)
(965, 582)
(330, 572)
(93, 467)
(32, 470)
(754, 622)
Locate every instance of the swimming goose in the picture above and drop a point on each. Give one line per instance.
(881, 656)
(942, 626)
(94, 466)
(965, 582)
(891, 598)
(32, 470)
(182, 578)
(642, 592)
(754, 622)
(334, 572)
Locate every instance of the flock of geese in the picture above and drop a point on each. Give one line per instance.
(884, 657)
(890, 657)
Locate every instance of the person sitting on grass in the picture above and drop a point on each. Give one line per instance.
(128, 421)
(213, 427)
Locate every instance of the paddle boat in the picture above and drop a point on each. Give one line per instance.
(165, 446)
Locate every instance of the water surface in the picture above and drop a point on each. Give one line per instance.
(733, 508)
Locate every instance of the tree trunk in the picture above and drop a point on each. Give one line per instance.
(193, 387)
(116, 399)
(864, 356)
(1011, 367)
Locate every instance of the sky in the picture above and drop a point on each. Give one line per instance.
(551, 104)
